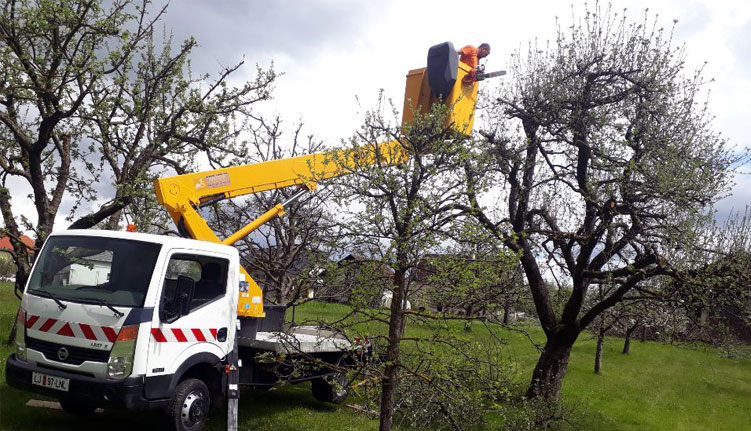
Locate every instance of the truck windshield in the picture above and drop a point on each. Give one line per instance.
(79, 269)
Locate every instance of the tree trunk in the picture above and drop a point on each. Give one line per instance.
(506, 311)
(22, 256)
(468, 322)
(644, 333)
(627, 341)
(547, 377)
(627, 344)
(22, 274)
(598, 351)
(113, 222)
(396, 329)
(12, 334)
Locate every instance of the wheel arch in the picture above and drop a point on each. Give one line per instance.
(204, 366)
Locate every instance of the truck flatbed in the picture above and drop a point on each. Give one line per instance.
(299, 339)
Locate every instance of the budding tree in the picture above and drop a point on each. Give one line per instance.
(395, 215)
(607, 162)
(92, 107)
(288, 253)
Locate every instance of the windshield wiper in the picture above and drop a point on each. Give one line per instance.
(103, 303)
(50, 296)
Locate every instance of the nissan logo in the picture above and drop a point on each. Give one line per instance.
(62, 354)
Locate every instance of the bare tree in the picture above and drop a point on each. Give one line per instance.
(610, 165)
(287, 254)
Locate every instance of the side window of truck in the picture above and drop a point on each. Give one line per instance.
(208, 273)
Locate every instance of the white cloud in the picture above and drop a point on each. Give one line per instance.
(739, 199)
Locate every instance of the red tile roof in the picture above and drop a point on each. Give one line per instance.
(5, 242)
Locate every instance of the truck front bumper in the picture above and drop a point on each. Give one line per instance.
(127, 393)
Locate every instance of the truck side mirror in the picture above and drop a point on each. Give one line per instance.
(184, 294)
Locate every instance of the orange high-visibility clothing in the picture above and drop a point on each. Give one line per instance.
(468, 56)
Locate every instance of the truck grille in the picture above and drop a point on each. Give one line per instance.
(76, 355)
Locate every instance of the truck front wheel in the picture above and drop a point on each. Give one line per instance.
(189, 406)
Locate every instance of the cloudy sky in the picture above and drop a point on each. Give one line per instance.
(336, 55)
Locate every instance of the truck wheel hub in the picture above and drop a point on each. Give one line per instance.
(193, 409)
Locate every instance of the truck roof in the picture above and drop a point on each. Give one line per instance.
(167, 240)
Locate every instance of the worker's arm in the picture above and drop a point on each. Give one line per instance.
(470, 76)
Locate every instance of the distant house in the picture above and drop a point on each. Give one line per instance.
(261, 262)
(372, 281)
(354, 274)
(7, 246)
(724, 309)
(388, 296)
(429, 293)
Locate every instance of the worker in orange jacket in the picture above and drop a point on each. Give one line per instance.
(471, 56)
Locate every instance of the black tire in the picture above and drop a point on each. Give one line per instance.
(189, 406)
(331, 389)
(76, 408)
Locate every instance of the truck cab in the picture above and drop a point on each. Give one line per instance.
(138, 321)
(121, 319)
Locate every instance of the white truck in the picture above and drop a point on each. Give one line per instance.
(156, 330)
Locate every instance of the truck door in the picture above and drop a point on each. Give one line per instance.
(205, 328)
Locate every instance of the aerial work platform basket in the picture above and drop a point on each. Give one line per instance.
(442, 81)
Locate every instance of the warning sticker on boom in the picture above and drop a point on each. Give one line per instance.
(218, 180)
(213, 181)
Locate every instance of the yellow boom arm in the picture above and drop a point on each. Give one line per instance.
(183, 195)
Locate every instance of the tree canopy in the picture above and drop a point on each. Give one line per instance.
(94, 102)
(606, 163)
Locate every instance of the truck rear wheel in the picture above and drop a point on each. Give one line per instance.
(331, 389)
(189, 406)
(76, 408)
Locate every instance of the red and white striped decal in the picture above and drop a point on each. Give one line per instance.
(71, 329)
(183, 335)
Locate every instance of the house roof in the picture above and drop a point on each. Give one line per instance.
(105, 256)
(355, 259)
(5, 242)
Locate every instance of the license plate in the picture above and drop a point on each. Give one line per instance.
(51, 382)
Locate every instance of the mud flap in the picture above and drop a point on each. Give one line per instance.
(233, 390)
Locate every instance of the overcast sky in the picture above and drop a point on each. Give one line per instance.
(336, 55)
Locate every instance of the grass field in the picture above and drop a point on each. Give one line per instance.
(656, 387)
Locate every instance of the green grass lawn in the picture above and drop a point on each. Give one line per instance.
(656, 387)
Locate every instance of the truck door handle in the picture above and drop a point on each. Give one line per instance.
(221, 335)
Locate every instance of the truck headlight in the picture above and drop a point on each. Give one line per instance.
(21, 335)
(120, 364)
